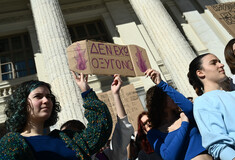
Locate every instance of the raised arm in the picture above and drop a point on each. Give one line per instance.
(115, 88)
(123, 129)
(178, 98)
(99, 125)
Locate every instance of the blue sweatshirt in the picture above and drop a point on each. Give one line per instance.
(183, 143)
(214, 114)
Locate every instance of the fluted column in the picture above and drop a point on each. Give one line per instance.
(54, 39)
(172, 46)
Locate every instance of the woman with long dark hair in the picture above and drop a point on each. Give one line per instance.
(214, 108)
(174, 134)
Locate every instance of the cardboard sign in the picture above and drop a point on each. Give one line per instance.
(92, 57)
(225, 14)
(131, 103)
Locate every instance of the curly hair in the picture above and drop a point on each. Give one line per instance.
(229, 55)
(142, 141)
(16, 107)
(195, 65)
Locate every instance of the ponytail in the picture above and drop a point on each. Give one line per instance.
(195, 65)
(196, 83)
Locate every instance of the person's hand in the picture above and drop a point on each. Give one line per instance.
(116, 84)
(82, 81)
(183, 117)
(154, 75)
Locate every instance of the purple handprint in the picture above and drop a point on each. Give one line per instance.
(81, 61)
(141, 62)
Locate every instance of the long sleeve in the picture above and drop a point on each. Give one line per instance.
(120, 140)
(215, 119)
(178, 98)
(171, 147)
(99, 125)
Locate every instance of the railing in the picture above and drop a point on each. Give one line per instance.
(7, 87)
(4, 92)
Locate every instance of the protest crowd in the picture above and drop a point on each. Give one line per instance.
(172, 128)
(170, 125)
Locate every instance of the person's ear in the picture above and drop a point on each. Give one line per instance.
(29, 104)
(200, 74)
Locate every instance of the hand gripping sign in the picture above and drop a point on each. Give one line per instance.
(92, 57)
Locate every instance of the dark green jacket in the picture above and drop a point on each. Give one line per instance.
(14, 147)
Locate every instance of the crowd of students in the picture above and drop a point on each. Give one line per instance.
(173, 127)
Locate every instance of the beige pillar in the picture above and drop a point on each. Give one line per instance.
(172, 46)
(53, 40)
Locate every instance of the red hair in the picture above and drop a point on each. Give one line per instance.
(141, 136)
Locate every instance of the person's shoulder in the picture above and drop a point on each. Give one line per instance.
(209, 95)
(212, 99)
(14, 146)
(11, 136)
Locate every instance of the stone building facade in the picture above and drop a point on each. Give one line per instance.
(34, 35)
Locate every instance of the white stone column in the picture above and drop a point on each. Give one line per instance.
(54, 39)
(38, 57)
(172, 46)
(132, 33)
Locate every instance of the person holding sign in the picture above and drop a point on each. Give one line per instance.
(214, 108)
(121, 137)
(229, 53)
(174, 134)
(32, 107)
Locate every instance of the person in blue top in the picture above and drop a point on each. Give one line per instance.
(33, 107)
(214, 108)
(174, 134)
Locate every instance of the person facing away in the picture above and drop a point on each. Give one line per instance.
(74, 125)
(229, 54)
(145, 151)
(33, 107)
(174, 134)
(214, 108)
